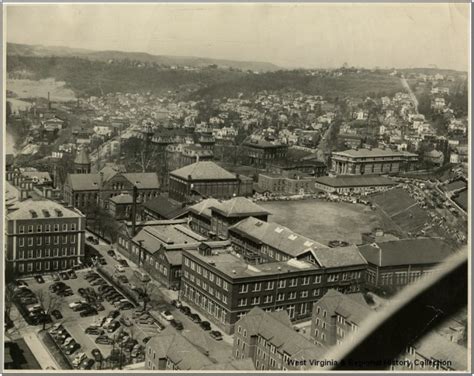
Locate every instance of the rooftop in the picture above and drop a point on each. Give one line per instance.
(82, 157)
(372, 153)
(238, 206)
(435, 346)
(164, 207)
(203, 170)
(233, 266)
(278, 330)
(41, 209)
(275, 235)
(204, 207)
(407, 251)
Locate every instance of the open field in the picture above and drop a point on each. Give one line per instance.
(33, 89)
(324, 221)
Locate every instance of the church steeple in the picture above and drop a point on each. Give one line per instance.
(82, 163)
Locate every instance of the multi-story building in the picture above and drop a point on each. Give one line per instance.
(86, 192)
(336, 317)
(394, 264)
(42, 236)
(353, 184)
(262, 152)
(294, 184)
(259, 241)
(225, 214)
(268, 338)
(432, 352)
(219, 284)
(163, 208)
(200, 216)
(371, 161)
(206, 179)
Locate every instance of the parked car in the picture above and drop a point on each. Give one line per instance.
(104, 340)
(185, 310)
(178, 325)
(122, 279)
(113, 314)
(146, 339)
(206, 325)
(195, 317)
(176, 303)
(216, 335)
(82, 291)
(72, 349)
(94, 331)
(113, 326)
(88, 312)
(125, 321)
(87, 363)
(39, 278)
(57, 314)
(125, 306)
(63, 275)
(65, 292)
(98, 281)
(75, 304)
(119, 268)
(20, 282)
(111, 253)
(68, 341)
(56, 328)
(55, 277)
(123, 263)
(102, 261)
(99, 307)
(167, 315)
(56, 286)
(97, 355)
(72, 274)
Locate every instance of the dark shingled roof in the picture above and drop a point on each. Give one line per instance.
(372, 153)
(164, 207)
(205, 170)
(407, 251)
(239, 206)
(82, 157)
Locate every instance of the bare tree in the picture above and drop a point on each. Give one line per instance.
(146, 291)
(49, 302)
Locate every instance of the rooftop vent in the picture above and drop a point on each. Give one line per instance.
(46, 213)
(233, 271)
(279, 230)
(258, 224)
(59, 213)
(308, 244)
(33, 213)
(292, 237)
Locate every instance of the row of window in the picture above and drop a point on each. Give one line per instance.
(22, 229)
(43, 253)
(30, 241)
(45, 265)
(205, 303)
(207, 274)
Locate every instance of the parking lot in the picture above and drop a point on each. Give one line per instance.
(76, 325)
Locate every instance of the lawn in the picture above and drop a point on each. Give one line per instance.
(324, 221)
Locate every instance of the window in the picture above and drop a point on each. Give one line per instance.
(317, 279)
(324, 313)
(244, 288)
(56, 240)
(242, 302)
(224, 298)
(30, 228)
(225, 286)
(292, 295)
(47, 228)
(21, 229)
(255, 300)
(47, 240)
(268, 299)
(73, 239)
(305, 281)
(280, 297)
(257, 286)
(270, 285)
(318, 310)
(304, 294)
(30, 241)
(281, 283)
(29, 267)
(39, 228)
(21, 242)
(73, 227)
(46, 253)
(333, 277)
(46, 265)
(65, 239)
(21, 268)
(293, 282)
(56, 227)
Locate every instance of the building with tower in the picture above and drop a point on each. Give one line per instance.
(82, 163)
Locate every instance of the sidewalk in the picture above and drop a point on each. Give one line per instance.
(41, 354)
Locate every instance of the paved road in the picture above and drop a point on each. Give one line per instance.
(410, 92)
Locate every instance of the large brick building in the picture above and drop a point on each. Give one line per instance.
(41, 237)
(397, 263)
(268, 338)
(262, 152)
(87, 191)
(337, 316)
(219, 284)
(371, 161)
(353, 184)
(206, 179)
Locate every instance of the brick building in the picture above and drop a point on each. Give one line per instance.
(397, 263)
(200, 216)
(87, 191)
(337, 316)
(371, 161)
(41, 237)
(294, 183)
(220, 285)
(269, 339)
(206, 179)
(353, 184)
(261, 152)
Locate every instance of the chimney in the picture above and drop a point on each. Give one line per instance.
(101, 180)
(134, 210)
(49, 102)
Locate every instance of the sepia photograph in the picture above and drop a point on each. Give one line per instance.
(236, 187)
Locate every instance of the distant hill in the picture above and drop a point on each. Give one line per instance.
(15, 49)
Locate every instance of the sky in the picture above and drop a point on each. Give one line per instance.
(288, 35)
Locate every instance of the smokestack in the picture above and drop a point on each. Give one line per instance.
(134, 210)
(49, 102)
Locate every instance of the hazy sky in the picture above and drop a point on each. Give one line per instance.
(289, 35)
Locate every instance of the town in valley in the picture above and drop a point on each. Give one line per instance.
(204, 214)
